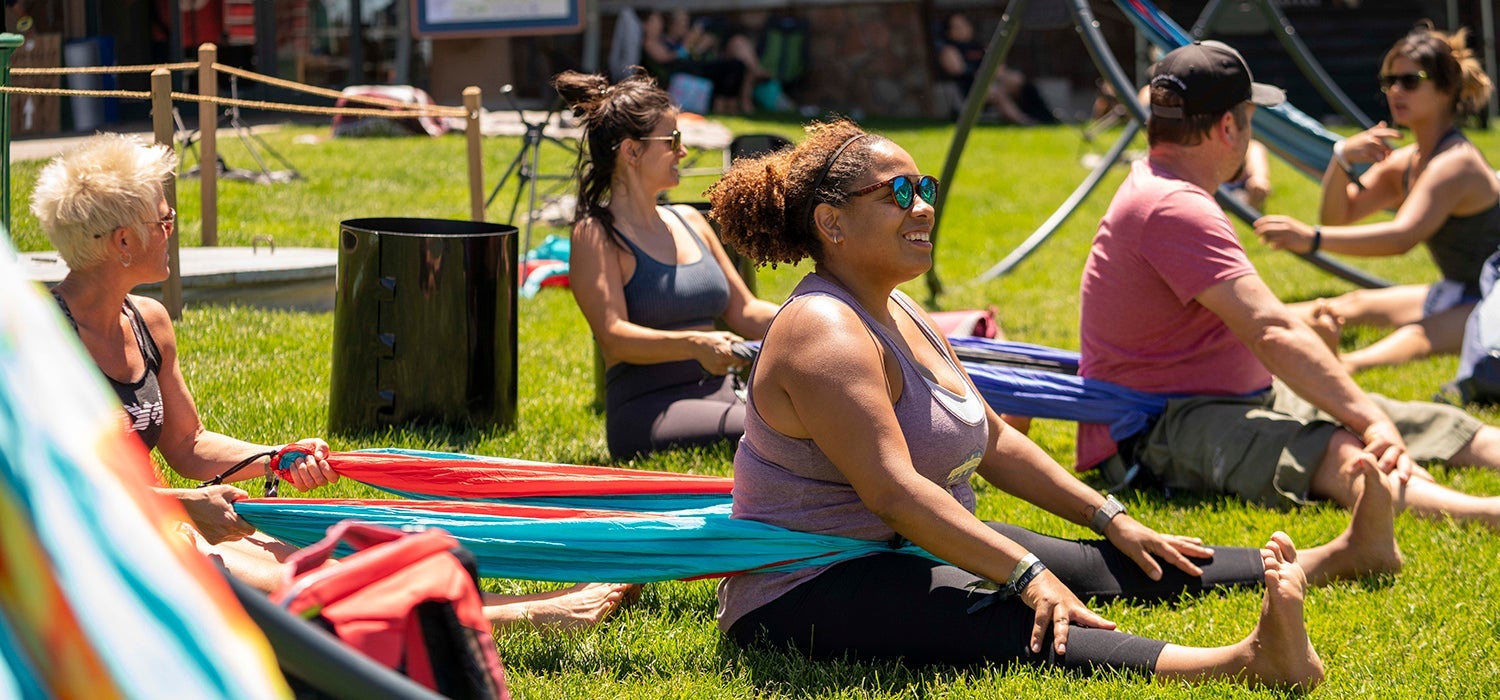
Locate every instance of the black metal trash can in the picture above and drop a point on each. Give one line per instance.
(424, 324)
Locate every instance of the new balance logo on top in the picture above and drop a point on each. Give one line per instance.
(138, 417)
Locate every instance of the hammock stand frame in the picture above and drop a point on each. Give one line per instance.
(1088, 28)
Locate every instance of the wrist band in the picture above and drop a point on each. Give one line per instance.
(1021, 567)
(1317, 240)
(1338, 155)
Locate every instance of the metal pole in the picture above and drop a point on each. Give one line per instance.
(1487, 22)
(591, 36)
(161, 121)
(8, 45)
(356, 43)
(994, 55)
(403, 42)
(1324, 83)
(208, 144)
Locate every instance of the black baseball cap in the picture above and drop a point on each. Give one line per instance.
(1211, 78)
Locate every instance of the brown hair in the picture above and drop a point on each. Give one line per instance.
(1448, 62)
(1190, 130)
(629, 109)
(764, 205)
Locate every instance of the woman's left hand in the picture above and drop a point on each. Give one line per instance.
(312, 470)
(1145, 546)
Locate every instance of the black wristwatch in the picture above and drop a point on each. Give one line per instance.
(1106, 513)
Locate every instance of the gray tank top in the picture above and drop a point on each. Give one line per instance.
(789, 482)
(673, 296)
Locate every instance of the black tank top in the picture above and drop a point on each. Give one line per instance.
(141, 398)
(1461, 244)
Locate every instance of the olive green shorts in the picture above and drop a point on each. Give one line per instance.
(1265, 447)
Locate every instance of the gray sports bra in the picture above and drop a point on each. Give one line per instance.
(673, 296)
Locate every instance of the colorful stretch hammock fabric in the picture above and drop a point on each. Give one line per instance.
(100, 597)
(558, 522)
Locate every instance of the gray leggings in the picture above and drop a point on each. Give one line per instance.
(672, 404)
(902, 606)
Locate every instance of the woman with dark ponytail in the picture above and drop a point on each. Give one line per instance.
(651, 280)
(1444, 192)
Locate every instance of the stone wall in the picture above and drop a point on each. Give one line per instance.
(874, 59)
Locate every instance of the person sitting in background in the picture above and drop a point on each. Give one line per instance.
(1252, 184)
(959, 56)
(863, 424)
(652, 280)
(103, 206)
(664, 52)
(1445, 194)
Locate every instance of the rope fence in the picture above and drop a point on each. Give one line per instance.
(457, 112)
(208, 67)
(83, 70)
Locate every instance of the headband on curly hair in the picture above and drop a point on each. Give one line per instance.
(812, 198)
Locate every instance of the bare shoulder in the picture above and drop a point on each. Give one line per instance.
(158, 321)
(695, 220)
(819, 327)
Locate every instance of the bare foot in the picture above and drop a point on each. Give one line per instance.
(1326, 323)
(1368, 545)
(1281, 654)
(577, 607)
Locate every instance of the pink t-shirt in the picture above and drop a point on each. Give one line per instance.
(1163, 242)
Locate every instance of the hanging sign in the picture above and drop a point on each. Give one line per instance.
(440, 19)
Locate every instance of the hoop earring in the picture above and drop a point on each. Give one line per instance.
(127, 260)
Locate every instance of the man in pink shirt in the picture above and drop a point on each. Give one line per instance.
(1172, 305)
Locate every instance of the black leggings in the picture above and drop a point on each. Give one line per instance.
(673, 404)
(890, 606)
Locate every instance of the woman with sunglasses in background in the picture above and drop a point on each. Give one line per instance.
(651, 280)
(862, 423)
(1443, 190)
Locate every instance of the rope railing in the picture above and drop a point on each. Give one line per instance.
(208, 67)
(84, 70)
(435, 110)
(458, 112)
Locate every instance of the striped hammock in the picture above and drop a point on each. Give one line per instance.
(99, 595)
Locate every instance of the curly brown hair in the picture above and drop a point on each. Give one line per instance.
(1448, 62)
(764, 205)
(629, 109)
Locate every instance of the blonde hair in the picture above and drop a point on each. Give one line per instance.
(109, 181)
(1449, 62)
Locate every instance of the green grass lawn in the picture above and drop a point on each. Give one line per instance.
(1433, 631)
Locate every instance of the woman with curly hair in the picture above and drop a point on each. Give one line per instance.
(861, 422)
(650, 279)
(1444, 192)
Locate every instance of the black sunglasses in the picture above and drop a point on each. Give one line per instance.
(1407, 81)
(675, 137)
(905, 189)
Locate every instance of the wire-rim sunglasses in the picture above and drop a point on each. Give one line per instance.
(675, 137)
(1407, 81)
(905, 189)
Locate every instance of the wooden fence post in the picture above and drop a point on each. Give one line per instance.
(472, 106)
(208, 143)
(161, 121)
